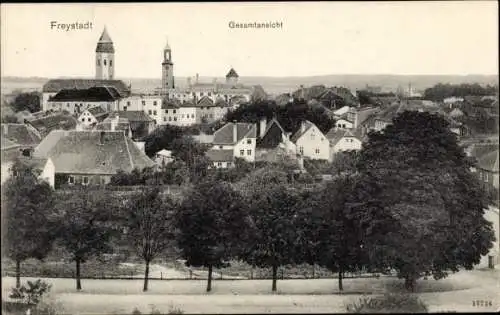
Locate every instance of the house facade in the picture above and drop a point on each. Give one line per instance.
(311, 142)
(343, 140)
(90, 157)
(76, 101)
(92, 116)
(239, 139)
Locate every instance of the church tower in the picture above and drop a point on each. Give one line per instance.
(105, 57)
(167, 77)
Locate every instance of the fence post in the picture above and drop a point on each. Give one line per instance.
(161, 275)
(282, 274)
(190, 274)
(221, 275)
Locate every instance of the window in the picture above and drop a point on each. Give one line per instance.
(192, 115)
(83, 119)
(104, 61)
(85, 180)
(98, 62)
(154, 103)
(229, 164)
(71, 180)
(312, 136)
(164, 118)
(169, 118)
(166, 111)
(175, 118)
(88, 119)
(124, 108)
(220, 147)
(67, 105)
(242, 152)
(111, 63)
(343, 125)
(149, 112)
(301, 150)
(174, 111)
(317, 151)
(143, 102)
(249, 141)
(128, 103)
(249, 152)
(485, 177)
(154, 112)
(219, 163)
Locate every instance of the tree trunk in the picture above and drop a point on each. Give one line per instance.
(341, 286)
(18, 273)
(275, 277)
(209, 283)
(78, 283)
(410, 283)
(146, 277)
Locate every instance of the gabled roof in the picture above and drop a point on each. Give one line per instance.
(231, 74)
(97, 111)
(489, 161)
(83, 152)
(58, 120)
(205, 101)
(132, 115)
(56, 85)
(225, 135)
(304, 127)
(334, 136)
(20, 134)
(270, 124)
(93, 94)
(341, 111)
(220, 155)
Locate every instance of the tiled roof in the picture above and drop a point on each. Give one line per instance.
(93, 94)
(59, 120)
(225, 134)
(56, 85)
(96, 111)
(334, 136)
(231, 74)
(81, 152)
(205, 101)
(301, 131)
(47, 143)
(122, 124)
(132, 115)
(20, 134)
(489, 161)
(220, 155)
(270, 124)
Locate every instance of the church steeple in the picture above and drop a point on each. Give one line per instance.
(167, 70)
(105, 55)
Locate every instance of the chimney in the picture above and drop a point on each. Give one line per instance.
(197, 77)
(235, 131)
(101, 138)
(262, 127)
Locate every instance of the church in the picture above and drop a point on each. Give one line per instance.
(198, 102)
(76, 95)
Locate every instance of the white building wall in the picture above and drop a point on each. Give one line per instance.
(248, 147)
(313, 144)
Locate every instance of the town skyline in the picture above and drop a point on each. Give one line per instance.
(400, 38)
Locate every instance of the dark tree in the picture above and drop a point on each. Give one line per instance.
(161, 138)
(273, 238)
(26, 101)
(330, 231)
(150, 225)
(211, 223)
(187, 150)
(417, 203)
(85, 224)
(26, 212)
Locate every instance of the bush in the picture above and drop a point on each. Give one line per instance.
(32, 293)
(388, 303)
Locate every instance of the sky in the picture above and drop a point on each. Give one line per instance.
(318, 38)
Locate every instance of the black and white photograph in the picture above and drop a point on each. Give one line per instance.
(250, 157)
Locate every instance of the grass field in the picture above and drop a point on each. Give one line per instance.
(454, 293)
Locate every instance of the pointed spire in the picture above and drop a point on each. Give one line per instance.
(105, 36)
(105, 44)
(167, 46)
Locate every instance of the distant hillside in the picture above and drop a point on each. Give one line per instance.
(278, 85)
